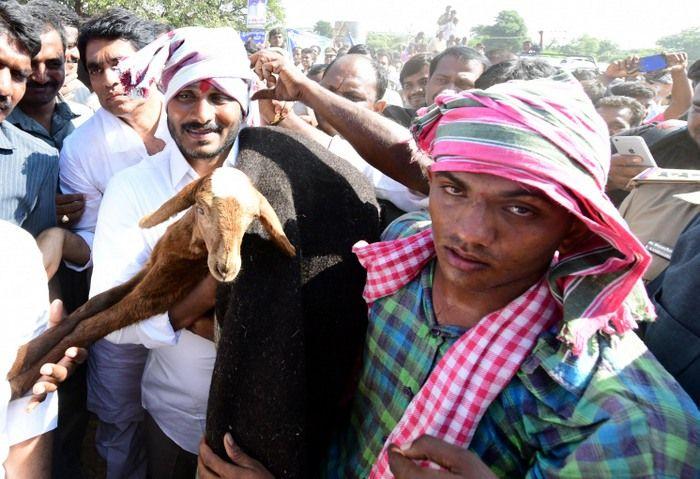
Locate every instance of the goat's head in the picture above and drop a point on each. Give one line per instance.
(224, 204)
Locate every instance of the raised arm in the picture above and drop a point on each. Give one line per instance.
(382, 143)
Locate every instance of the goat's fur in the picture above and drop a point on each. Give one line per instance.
(205, 240)
(292, 331)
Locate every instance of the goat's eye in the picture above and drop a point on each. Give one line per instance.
(200, 210)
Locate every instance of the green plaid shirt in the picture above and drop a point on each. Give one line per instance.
(611, 412)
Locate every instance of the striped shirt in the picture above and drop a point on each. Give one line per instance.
(28, 180)
(67, 116)
(612, 411)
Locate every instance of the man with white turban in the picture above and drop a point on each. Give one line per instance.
(205, 79)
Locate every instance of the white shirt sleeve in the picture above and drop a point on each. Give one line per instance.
(24, 298)
(119, 252)
(72, 180)
(385, 187)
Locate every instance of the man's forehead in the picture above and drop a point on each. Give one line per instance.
(107, 49)
(451, 64)
(51, 43)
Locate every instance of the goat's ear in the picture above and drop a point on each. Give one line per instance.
(183, 199)
(269, 220)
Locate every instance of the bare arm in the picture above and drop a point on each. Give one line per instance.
(681, 91)
(30, 458)
(58, 244)
(381, 142)
(193, 306)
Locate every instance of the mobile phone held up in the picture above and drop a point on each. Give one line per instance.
(634, 145)
(652, 63)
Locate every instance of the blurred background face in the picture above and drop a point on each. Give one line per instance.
(277, 40)
(48, 71)
(452, 74)
(413, 88)
(72, 53)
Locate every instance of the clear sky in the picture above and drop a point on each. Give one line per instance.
(629, 23)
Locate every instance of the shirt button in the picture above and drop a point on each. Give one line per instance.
(407, 391)
(435, 333)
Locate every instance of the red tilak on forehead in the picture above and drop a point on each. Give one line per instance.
(205, 86)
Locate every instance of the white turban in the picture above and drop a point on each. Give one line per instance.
(188, 55)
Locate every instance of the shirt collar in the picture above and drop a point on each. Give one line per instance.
(180, 169)
(5, 142)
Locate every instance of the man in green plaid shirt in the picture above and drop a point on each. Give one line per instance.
(500, 338)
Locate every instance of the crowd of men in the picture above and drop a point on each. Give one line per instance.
(510, 299)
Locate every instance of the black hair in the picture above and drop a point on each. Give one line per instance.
(694, 73)
(594, 89)
(382, 76)
(274, 31)
(66, 16)
(305, 51)
(638, 111)
(584, 74)
(319, 69)
(498, 55)
(522, 69)
(46, 15)
(360, 49)
(461, 53)
(414, 64)
(119, 24)
(17, 23)
(633, 90)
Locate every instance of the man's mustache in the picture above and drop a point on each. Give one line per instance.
(50, 83)
(210, 126)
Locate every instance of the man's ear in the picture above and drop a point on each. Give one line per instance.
(379, 106)
(577, 233)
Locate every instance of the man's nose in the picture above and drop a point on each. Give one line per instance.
(476, 225)
(202, 111)
(111, 76)
(39, 74)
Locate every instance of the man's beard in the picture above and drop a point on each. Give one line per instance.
(197, 154)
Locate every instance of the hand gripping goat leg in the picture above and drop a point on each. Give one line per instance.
(207, 239)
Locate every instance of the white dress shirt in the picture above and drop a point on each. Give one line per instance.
(385, 188)
(24, 300)
(90, 157)
(176, 379)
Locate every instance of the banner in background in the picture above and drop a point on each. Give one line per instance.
(300, 38)
(257, 14)
(258, 36)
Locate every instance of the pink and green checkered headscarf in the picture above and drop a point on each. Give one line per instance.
(546, 134)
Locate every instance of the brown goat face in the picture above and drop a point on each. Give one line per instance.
(223, 213)
(224, 203)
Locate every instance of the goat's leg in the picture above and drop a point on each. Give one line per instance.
(139, 304)
(29, 353)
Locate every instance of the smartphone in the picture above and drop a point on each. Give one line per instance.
(634, 145)
(652, 63)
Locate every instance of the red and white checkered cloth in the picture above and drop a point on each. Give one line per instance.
(391, 265)
(475, 369)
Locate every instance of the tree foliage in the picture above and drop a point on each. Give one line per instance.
(386, 41)
(686, 40)
(508, 31)
(602, 50)
(180, 13)
(323, 28)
